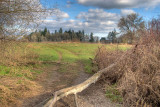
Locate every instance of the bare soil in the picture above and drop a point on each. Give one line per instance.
(52, 80)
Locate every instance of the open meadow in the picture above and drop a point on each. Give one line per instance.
(35, 68)
(79, 53)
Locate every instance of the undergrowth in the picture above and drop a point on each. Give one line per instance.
(113, 93)
(17, 61)
(137, 71)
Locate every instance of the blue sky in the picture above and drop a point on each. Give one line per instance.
(97, 16)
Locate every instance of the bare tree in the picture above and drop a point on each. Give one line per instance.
(17, 16)
(130, 25)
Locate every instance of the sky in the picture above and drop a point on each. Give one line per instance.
(97, 16)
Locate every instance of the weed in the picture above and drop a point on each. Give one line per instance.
(4, 70)
(113, 93)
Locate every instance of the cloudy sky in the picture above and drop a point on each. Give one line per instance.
(97, 16)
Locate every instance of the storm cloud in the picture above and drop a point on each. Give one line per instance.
(120, 4)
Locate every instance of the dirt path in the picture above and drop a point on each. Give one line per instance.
(94, 96)
(52, 80)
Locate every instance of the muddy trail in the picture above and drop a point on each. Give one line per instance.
(52, 80)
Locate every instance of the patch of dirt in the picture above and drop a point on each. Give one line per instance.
(47, 80)
(94, 96)
(52, 80)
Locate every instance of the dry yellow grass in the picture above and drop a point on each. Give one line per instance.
(137, 73)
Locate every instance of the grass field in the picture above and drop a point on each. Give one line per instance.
(62, 52)
(71, 52)
(21, 74)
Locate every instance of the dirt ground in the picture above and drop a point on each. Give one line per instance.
(52, 80)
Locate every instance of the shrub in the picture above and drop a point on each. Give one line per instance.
(138, 70)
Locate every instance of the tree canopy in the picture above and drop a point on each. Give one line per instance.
(67, 35)
(130, 25)
(112, 36)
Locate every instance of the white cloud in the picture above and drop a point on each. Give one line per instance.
(125, 12)
(119, 4)
(60, 14)
(56, 14)
(97, 21)
(97, 15)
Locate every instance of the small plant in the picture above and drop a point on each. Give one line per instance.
(113, 93)
(4, 70)
(88, 69)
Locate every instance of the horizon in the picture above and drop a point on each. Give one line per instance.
(99, 17)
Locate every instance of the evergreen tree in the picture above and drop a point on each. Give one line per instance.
(60, 31)
(68, 35)
(55, 32)
(91, 37)
(44, 31)
(112, 36)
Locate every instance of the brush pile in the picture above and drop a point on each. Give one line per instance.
(138, 70)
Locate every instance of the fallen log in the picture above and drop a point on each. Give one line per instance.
(77, 88)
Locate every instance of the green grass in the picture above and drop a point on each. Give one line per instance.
(4, 70)
(68, 56)
(45, 52)
(37, 71)
(71, 52)
(113, 93)
(63, 52)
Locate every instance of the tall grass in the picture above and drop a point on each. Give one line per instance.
(16, 53)
(16, 62)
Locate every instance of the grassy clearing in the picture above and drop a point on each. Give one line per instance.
(64, 52)
(19, 64)
(72, 52)
(22, 58)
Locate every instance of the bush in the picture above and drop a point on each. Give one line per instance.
(137, 72)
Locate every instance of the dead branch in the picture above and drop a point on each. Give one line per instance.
(77, 88)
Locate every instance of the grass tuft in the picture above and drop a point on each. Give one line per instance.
(113, 93)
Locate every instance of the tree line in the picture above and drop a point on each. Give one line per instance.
(16, 19)
(60, 35)
(131, 27)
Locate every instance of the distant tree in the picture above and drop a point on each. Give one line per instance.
(96, 39)
(60, 31)
(70, 34)
(91, 37)
(48, 36)
(130, 25)
(39, 37)
(112, 36)
(44, 31)
(55, 32)
(67, 35)
(103, 40)
(83, 32)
